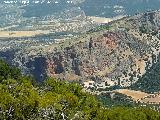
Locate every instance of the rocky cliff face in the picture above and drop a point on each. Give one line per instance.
(118, 56)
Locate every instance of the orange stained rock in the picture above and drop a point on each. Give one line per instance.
(50, 68)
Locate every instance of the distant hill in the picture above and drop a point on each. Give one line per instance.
(101, 8)
(110, 8)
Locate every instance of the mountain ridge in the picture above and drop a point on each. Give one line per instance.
(125, 46)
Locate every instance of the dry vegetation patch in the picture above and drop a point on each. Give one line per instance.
(13, 34)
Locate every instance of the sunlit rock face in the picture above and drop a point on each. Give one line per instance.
(118, 56)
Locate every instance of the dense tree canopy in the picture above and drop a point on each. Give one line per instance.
(7, 72)
(56, 100)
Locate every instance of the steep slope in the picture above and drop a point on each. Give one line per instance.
(118, 56)
(150, 81)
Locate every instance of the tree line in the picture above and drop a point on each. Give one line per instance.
(21, 98)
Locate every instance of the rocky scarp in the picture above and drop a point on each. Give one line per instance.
(118, 55)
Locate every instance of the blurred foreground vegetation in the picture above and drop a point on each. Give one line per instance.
(23, 99)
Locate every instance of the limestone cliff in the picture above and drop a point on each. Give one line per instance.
(116, 56)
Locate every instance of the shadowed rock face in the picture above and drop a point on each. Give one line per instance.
(118, 56)
(7, 55)
(37, 67)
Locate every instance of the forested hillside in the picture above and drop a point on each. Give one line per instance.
(21, 98)
(150, 81)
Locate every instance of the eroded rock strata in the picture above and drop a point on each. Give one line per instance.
(118, 56)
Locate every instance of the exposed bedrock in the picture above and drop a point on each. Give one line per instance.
(118, 56)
